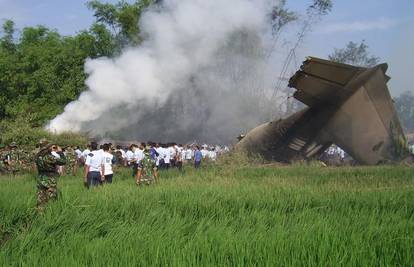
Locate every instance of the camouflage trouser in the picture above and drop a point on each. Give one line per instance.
(46, 190)
(70, 167)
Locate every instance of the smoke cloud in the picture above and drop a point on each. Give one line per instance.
(201, 74)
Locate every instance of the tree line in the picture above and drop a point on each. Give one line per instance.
(41, 70)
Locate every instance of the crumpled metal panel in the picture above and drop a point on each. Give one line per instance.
(347, 105)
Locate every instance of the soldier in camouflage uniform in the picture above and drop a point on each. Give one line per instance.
(3, 164)
(148, 169)
(71, 164)
(13, 158)
(25, 160)
(47, 165)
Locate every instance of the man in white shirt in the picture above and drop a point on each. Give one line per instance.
(212, 155)
(94, 167)
(78, 153)
(85, 153)
(179, 156)
(188, 154)
(123, 154)
(55, 148)
(108, 161)
(166, 156)
(159, 157)
(173, 154)
(139, 156)
(204, 151)
(341, 153)
(129, 155)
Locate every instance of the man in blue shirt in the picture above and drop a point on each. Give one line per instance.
(198, 156)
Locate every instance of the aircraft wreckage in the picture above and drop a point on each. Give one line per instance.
(348, 106)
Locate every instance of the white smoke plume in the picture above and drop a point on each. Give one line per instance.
(201, 74)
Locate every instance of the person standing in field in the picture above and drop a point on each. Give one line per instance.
(47, 164)
(173, 154)
(94, 167)
(204, 151)
(212, 155)
(122, 159)
(85, 154)
(129, 155)
(139, 156)
(188, 154)
(161, 157)
(71, 162)
(78, 153)
(166, 156)
(149, 167)
(153, 152)
(198, 156)
(179, 156)
(109, 160)
(159, 161)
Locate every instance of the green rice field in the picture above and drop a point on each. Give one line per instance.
(217, 216)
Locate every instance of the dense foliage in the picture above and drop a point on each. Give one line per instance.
(41, 71)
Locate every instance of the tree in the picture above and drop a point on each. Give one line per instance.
(404, 105)
(354, 54)
(7, 41)
(45, 71)
(280, 17)
(122, 19)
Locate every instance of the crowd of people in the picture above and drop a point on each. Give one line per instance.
(336, 156)
(164, 156)
(98, 162)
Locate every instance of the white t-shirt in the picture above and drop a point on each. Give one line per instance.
(341, 152)
(138, 155)
(204, 152)
(188, 154)
(173, 152)
(166, 155)
(55, 154)
(212, 155)
(123, 154)
(129, 155)
(160, 156)
(78, 153)
(85, 153)
(108, 157)
(95, 160)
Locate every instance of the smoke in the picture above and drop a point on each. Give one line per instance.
(201, 74)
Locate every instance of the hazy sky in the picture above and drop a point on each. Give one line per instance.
(387, 26)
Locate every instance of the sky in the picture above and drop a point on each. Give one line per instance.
(387, 26)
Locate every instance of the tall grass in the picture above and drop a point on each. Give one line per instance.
(221, 215)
